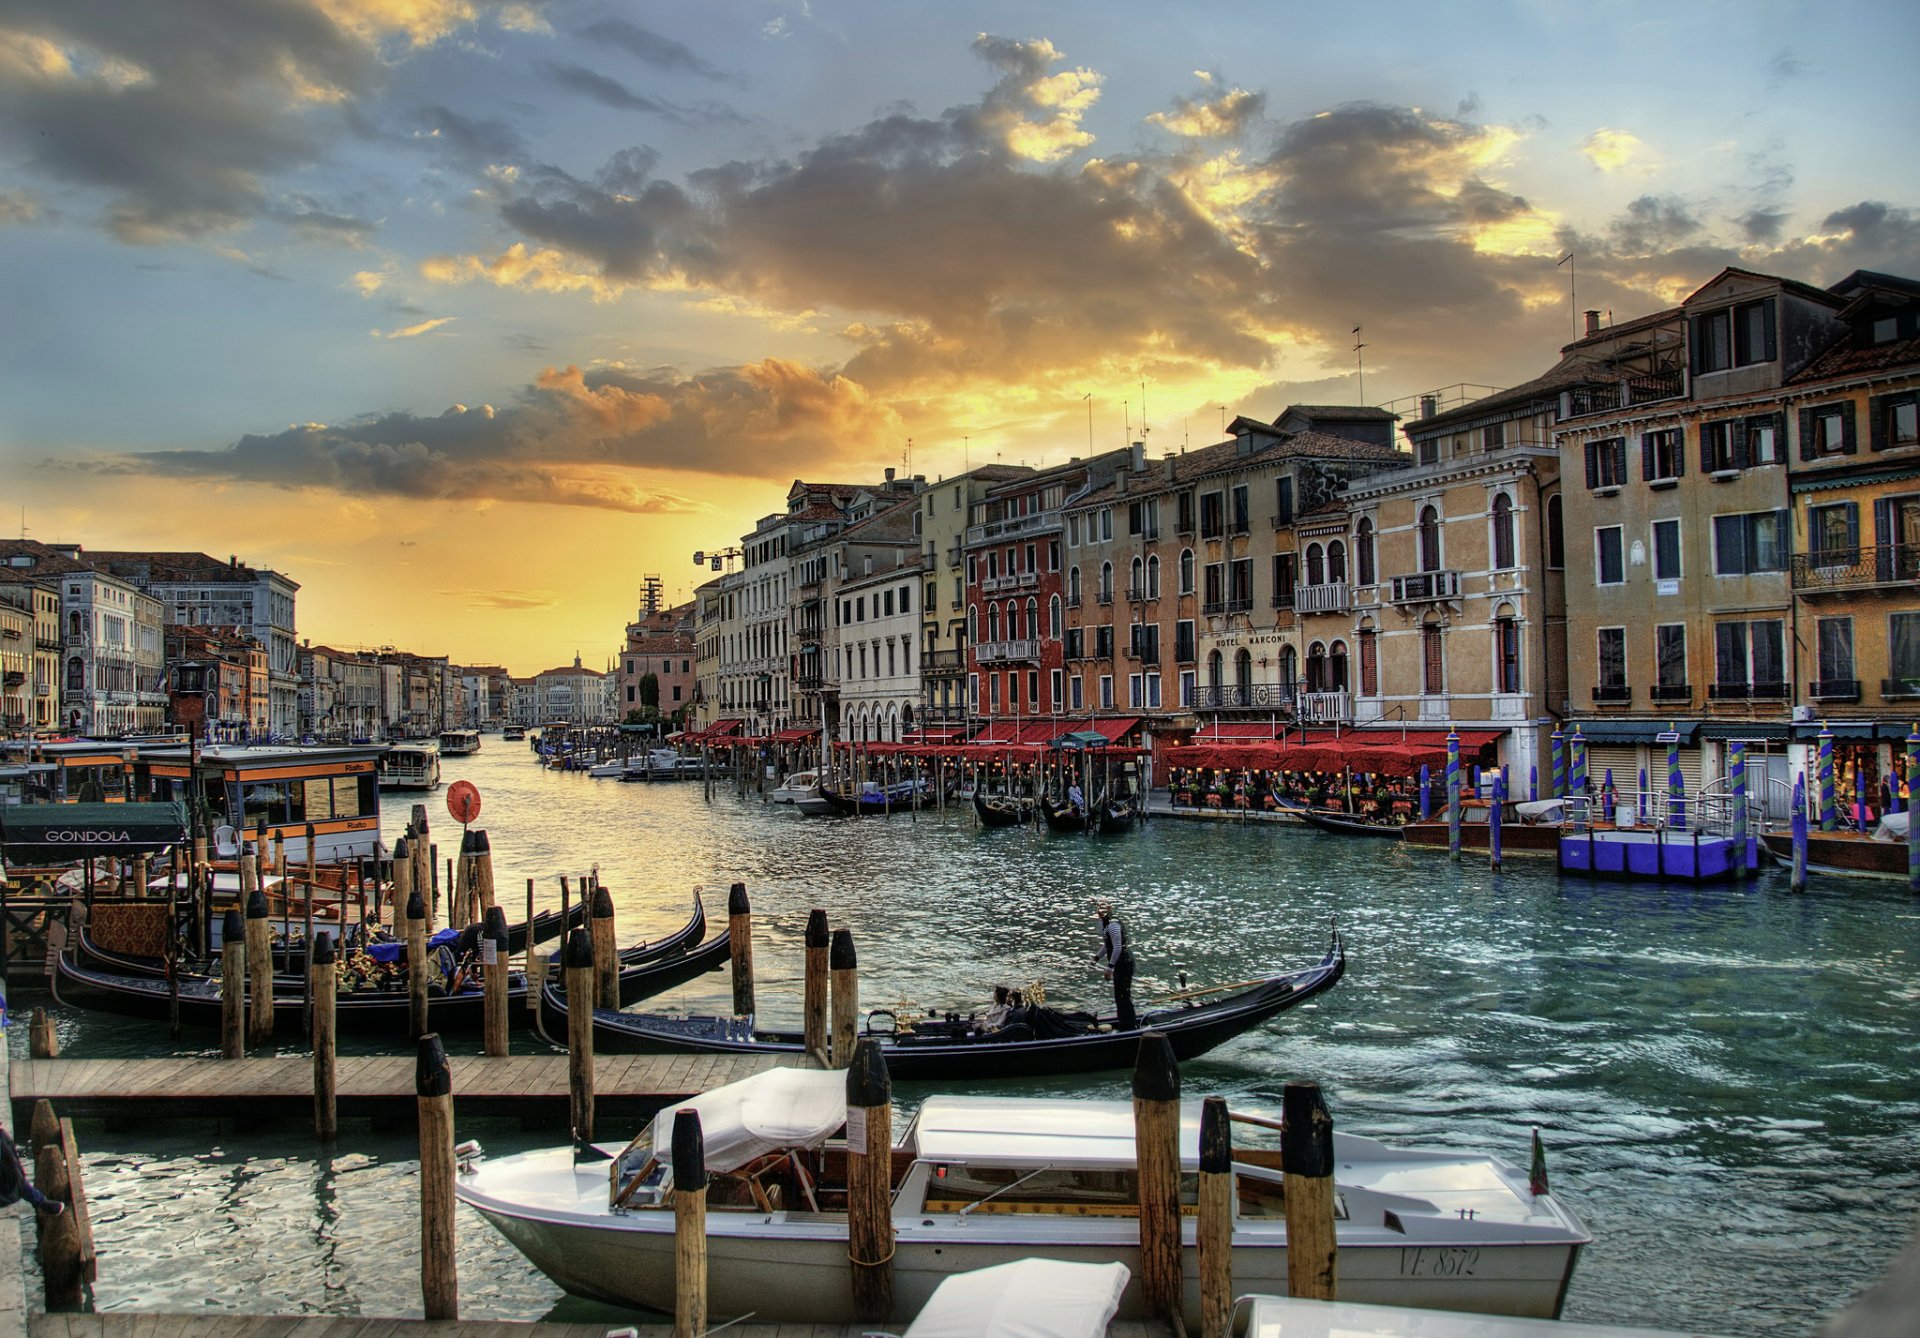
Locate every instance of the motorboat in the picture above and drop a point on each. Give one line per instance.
(798, 785)
(978, 1181)
(459, 742)
(1881, 853)
(414, 765)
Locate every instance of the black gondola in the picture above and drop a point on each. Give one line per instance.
(375, 1010)
(1116, 819)
(1342, 824)
(901, 798)
(1041, 1043)
(1002, 810)
(1062, 817)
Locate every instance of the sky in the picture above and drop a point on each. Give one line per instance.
(467, 315)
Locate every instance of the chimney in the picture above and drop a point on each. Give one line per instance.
(1169, 464)
(1429, 405)
(1120, 482)
(1593, 323)
(1139, 460)
(889, 473)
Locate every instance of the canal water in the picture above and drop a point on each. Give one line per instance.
(1725, 1079)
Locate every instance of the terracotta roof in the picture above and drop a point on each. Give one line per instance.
(46, 562)
(1611, 334)
(1846, 359)
(1805, 290)
(1342, 413)
(1569, 371)
(894, 525)
(1224, 457)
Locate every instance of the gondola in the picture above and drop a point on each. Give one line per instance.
(1116, 819)
(1002, 810)
(1343, 824)
(1062, 817)
(1044, 1042)
(901, 798)
(369, 1011)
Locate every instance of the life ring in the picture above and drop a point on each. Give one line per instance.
(893, 1022)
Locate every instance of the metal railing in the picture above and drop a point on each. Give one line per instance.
(1424, 587)
(1333, 597)
(1617, 694)
(1834, 690)
(1673, 692)
(1245, 696)
(1854, 567)
(997, 652)
(1011, 529)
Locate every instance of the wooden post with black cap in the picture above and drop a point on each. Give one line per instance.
(493, 979)
(578, 964)
(1306, 1158)
(606, 952)
(814, 997)
(1213, 1226)
(740, 947)
(870, 1182)
(843, 970)
(689, 1226)
(433, 1086)
(259, 940)
(1156, 1137)
(417, 1017)
(233, 986)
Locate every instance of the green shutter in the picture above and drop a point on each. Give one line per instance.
(1807, 448)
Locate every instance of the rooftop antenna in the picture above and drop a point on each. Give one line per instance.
(1223, 420)
(906, 457)
(966, 454)
(1573, 297)
(1126, 416)
(1144, 429)
(1088, 397)
(1360, 363)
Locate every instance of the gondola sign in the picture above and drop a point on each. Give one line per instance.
(463, 801)
(1664, 736)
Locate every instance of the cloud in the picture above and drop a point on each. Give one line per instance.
(571, 439)
(662, 53)
(605, 91)
(1225, 115)
(1653, 224)
(1784, 68)
(17, 208)
(1617, 151)
(414, 331)
(505, 599)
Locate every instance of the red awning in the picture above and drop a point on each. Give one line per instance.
(720, 728)
(796, 735)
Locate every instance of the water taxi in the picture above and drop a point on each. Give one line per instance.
(237, 788)
(413, 765)
(459, 742)
(982, 1180)
(513, 733)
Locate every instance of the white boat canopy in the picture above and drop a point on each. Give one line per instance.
(1893, 827)
(1028, 1298)
(769, 1112)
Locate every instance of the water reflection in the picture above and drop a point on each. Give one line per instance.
(1722, 1075)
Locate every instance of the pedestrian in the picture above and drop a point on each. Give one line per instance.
(15, 1186)
(1116, 964)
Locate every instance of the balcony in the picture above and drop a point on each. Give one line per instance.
(1864, 568)
(1148, 655)
(1219, 607)
(1618, 694)
(941, 663)
(1138, 595)
(1282, 520)
(1038, 523)
(1283, 599)
(1900, 687)
(1023, 580)
(954, 555)
(1630, 390)
(1834, 690)
(1674, 692)
(1245, 697)
(1004, 652)
(1073, 601)
(1323, 708)
(1722, 692)
(1425, 587)
(807, 682)
(1333, 597)
(1104, 597)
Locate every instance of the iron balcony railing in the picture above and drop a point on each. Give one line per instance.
(1424, 587)
(1740, 692)
(999, 652)
(1037, 523)
(1615, 694)
(1674, 692)
(1246, 696)
(1834, 690)
(1853, 568)
(1623, 393)
(1332, 597)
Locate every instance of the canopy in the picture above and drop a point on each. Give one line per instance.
(51, 834)
(1028, 1298)
(1079, 739)
(771, 1111)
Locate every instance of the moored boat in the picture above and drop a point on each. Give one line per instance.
(1881, 853)
(1529, 827)
(1348, 824)
(981, 1180)
(1002, 810)
(414, 765)
(797, 786)
(874, 799)
(1063, 817)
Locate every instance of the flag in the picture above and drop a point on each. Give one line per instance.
(1537, 1173)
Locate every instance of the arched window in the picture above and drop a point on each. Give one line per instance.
(993, 622)
(1136, 585)
(1153, 577)
(1363, 552)
(1243, 675)
(1316, 667)
(1186, 571)
(973, 625)
(1033, 619)
(1502, 517)
(1429, 539)
(1336, 563)
(1289, 669)
(1369, 663)
(1433, 665)
(1106, 582)
(76, 673)
(1053, 617)
(1073, 586)
(1506, 650)
(1556, 535)
(1337, 667)
(1216, 671)
(73, 624)
(1316, 565)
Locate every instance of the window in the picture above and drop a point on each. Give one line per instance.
(1153, 576)
(1903, 654)
(1054, 684)
(1316, 565)
(1283, 580)
(1216, 593)
(1136, 580)
(1433, 665)
(1183, 644)
(1493, 436)
(1186, 571)
(1363, 552)
(1189, 683)
(1106, 525)
(1073, 587)
(1896, 421)
(1611, 646)
(993, 692)
(1212, 515)
(1666, 550)
(1053, 623)
(1106, 583)
(1073, 531)
(1429, 539)
(1185, 510)
(1733, 337)
(1833, 639)
(1103, 641)
(1556, 535)
(1607, 463)
(1106, 692)
(1282, 502)
(1763, 440)
(1750, 542)
(1749, 659)
(1609, 561)
(1143, 519)
(1428, 449)
(1833, 534)
(1241, 520)
(1240, 584)
(887, 601)
(1075, 648)
(1153, 692)
(1369, 663)
(1661, 457)
(1134, 691)
(1289, 670)
(1503, 545)
(1077, 693)
(1053, 555)
(1336, 562)
(1506, 643)
(1825, 430)
(1670, 662)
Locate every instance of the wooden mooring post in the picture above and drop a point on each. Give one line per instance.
(67, 1261)
(1156, 1137)
(578, 963)
(483, 875)
(1213, 1227)
(814, 989)
(740, 947)
(869, 1182)
(493, 976)
(259, 940)
(417, 1016)
(843, 969)
(689, 1226)
(321, 980)
(433, 1087)
(44, 1042)
(402, 885)
(233, 986)
(606, 952)
(1306, 1158)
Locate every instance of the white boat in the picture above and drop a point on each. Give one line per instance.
(797, 786)
(459, 742)
(985, 1181)
(410, 766)
(1282, 1317)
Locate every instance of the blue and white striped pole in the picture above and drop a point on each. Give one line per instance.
(1828, 819)
(1533, 782)
(1453, 794)
(1800, 800)
(1737, 778)
(1641, 798)
(1493, 821)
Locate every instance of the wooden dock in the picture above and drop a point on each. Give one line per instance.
(214, 1325)
(380, 1086)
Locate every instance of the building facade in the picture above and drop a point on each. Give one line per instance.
(41, 602)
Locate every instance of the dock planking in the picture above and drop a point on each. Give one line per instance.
(210, 1325)
(380, 1086)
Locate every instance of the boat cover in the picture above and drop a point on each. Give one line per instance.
(769, 1112)
(1028, 1298)
(1893, 827)
(54, 834)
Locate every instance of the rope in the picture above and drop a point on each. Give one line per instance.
(873, 1263)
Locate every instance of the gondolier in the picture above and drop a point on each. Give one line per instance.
(1116, 963)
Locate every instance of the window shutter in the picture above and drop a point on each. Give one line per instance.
(1679, 452)
(1593, 465)
(1852, 514)
(1770, 351)
(1697, 329)
(1849, 443)
(1742, 447)
(1808, 450)
(1877, 422)
(1706, 446)
(1646, 456)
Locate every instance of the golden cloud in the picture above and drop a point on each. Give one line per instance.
(421, 22)
(546, 270)
(1616, 151)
